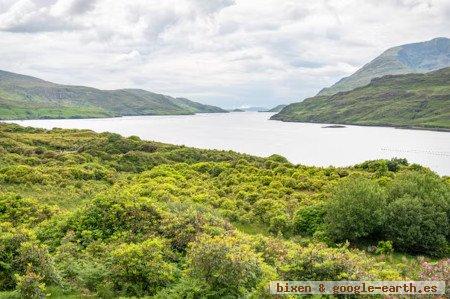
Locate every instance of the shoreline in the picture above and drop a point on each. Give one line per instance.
(434, 129)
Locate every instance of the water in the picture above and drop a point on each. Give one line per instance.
(254, 133)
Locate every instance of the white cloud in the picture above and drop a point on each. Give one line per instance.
(223, 52)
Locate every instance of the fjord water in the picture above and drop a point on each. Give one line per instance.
(254, 133)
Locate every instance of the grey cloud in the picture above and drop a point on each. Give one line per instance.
(81, 6)
(217, 51)
(44, 16)
(212, 6)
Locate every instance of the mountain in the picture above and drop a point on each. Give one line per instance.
(410, 58)
(276, 108)
(411, 100)
(25, 97)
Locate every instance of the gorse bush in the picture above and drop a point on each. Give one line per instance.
(99, 215)
(21, 253)
(30, 285)
(141, 269)
(228, 266)
(309, 218)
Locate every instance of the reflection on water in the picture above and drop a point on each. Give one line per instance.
(253, 133)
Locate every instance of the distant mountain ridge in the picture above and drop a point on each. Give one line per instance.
(410, 100)
(419, 57)
(25, 97)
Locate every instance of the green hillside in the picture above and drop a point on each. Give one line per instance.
(101, 216)
(410, 58)
(24, 97)
(411, 100)
(277, 108)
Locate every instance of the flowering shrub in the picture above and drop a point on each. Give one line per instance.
(439, 271)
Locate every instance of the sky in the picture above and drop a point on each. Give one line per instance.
(230, 53)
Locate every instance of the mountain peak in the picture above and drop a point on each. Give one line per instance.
(418, 57)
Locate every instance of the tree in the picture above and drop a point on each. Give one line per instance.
(356, 210)
(418, 213)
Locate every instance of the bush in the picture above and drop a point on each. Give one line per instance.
(226, 265)
(141, 269)
(308, 219)
(279, 225)
(19, 252)
(439, 271)
(384, 247)
(317, 262)
(418, 213)
(19, 210)
(30, 285)
(417, 226)
(355, 211)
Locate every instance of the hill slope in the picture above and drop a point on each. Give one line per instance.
(97, 215)
(277, 108)
(413, 100)
(410, 58)
(28, 97)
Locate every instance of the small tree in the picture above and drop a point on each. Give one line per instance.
(355, 210)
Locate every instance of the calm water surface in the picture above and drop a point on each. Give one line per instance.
(254, 133)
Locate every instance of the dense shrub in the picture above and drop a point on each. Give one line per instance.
(18, 210)
(308, 219)
(141, 269)
(418, 213)
(317, 262)
(30, 285)
(417, 226)
(19, 253)
(356, 210)
(226, 264)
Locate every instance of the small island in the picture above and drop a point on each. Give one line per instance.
(334, 127)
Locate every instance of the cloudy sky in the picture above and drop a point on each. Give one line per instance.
(224, 52)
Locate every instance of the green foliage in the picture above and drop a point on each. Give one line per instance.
(19, 253)
(321, 263)
(309, 219)
(228, 266)
(141, 269)
(418, 213)
(23, 97)
(30, 285)
(384, 247)
(100, 215)
(411, 100)
(18, 210)
(356, 210)
(416, 226)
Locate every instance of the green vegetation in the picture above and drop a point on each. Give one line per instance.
(413, 100)
(88, 214)
(24, 97)
(277, 108)
(410, 58)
